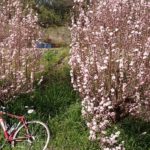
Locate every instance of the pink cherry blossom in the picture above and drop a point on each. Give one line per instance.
(110, 63)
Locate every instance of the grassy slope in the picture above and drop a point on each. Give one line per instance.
(58, 35)
(59, 106)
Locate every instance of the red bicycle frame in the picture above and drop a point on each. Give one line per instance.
(9, 136)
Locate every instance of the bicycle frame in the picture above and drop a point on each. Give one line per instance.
(22, 121)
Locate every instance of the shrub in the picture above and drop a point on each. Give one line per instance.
(110, 63)
(19, 58)
(48, 17)
(53, 12)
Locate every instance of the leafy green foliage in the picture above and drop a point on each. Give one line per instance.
(48, 17)
(51, 12)
(56, 12)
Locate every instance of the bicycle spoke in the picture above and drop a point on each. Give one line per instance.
(38, 140)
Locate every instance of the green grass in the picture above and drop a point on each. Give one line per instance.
(135, 133)
(59, 106)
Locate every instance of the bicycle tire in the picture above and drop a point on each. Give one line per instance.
(40, 128)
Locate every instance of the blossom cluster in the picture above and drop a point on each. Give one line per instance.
(19, 58)
(110, 63)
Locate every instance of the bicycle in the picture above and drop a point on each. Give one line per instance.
(29, 135)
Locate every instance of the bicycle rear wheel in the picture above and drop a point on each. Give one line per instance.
(39, 139)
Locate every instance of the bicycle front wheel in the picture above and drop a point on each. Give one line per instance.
(38, 140)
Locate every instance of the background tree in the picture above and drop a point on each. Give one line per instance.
(55, 12)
